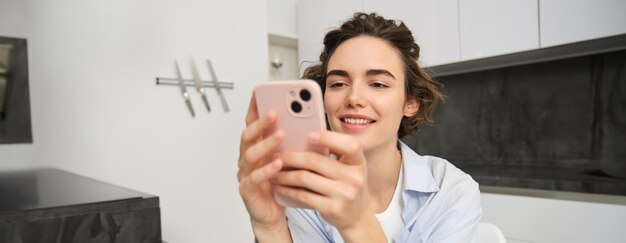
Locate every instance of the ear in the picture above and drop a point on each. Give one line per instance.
(411, 107)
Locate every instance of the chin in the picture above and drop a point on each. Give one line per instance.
(363, 141)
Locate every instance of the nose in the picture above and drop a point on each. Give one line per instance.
(356, 98)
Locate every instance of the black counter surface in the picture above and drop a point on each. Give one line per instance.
(585, 180)
(50, 205)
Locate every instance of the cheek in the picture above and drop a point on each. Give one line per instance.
(387, 101)
(332, 101)
(389, 105)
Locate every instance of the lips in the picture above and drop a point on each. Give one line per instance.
(355, 122)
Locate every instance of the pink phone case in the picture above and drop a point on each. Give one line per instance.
(299, 108)
(279, 96)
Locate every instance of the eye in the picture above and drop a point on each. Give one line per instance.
(379, 85)
(336, 84)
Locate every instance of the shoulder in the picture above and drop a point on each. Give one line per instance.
(451, 209)
(456, 188)
(459, 202)
(451, 179)
(441, 175)
(445, 186)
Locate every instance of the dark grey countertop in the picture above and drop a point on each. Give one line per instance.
(557, 195)
(582, 180)
(50, 205)
(49, 188)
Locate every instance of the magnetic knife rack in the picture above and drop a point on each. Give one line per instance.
(190, 83)
(198, 84)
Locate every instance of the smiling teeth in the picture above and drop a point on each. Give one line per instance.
(356, 121)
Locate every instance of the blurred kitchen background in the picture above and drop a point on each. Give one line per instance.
(536, 108)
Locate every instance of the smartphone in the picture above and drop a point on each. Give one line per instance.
(300, 110)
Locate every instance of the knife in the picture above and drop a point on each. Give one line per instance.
(198, 83)
(183, 90)
(218, 89)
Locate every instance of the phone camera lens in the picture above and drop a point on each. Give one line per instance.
(296, 107)
(305, 95)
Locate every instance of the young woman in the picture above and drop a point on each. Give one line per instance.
(375, 188)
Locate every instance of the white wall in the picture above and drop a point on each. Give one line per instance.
(281, 15)
(15, 156)
(96, 109)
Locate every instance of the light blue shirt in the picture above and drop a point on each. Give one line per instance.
(441, 204)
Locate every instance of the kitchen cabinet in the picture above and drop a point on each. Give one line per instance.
(496, 27)
(454, 31)
(567, 21)
(435, 26)
(315, 18)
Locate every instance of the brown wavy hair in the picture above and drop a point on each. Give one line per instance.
(418, 84)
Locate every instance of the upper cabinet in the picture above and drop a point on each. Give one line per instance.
(496, 27)
(450, 31)
(315, 18)
(567, 21)
(435, 26)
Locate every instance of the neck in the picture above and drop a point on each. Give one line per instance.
(383, 168)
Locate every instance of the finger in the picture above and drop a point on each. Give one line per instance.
(315, 162)
(347, 147)
(266, 172)
(262, 150)
(253, 113)
(303, 196)
(309, 180)
(251, 184)
(256, 130)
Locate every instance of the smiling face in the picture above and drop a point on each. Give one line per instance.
(365, 94)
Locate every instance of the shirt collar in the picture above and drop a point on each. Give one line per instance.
(418, 175)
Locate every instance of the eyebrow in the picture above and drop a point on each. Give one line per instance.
(338, 73)
(370, 72)
(373, 72)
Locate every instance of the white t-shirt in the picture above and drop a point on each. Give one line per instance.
(391, 219)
